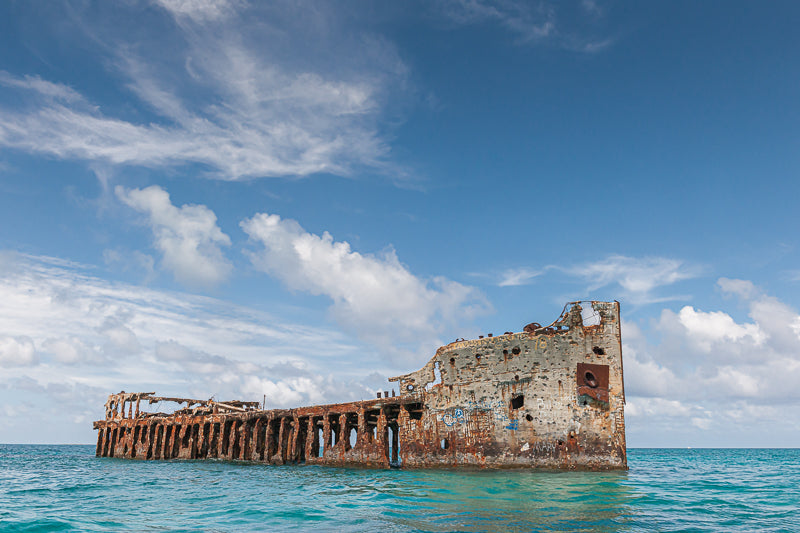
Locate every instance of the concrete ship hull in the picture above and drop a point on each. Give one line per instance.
(549, 397)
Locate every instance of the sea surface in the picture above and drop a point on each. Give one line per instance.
(66, 488)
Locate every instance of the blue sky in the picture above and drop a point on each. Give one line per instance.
(300, 200)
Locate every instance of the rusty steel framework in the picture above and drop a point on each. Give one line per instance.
(548, 397)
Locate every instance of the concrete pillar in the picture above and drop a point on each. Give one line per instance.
(281, 453)
(233, 440)
(326, 435)
(269, 448)
(344, 435)
(98, 450)
(221, 440)
(244, 439)
(182, 450)
(382, 434)
(194, 437)
(311, 438)
(202, 440)
(159, 444)
(256, 440)
(294, 447)
(362, 437)
(395, 443)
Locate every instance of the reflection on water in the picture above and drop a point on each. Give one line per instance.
(50, 488)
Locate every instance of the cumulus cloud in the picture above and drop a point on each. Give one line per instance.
(71, 350)
(708, 368)
(707, 329)
(227, 96)
(375, 296)
(187, 236)
(17, 351)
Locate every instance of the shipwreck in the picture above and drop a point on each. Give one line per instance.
(547, 397)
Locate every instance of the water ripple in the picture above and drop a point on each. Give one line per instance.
(65, 488)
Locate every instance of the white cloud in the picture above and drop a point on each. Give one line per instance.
(226, 96)
(376, 297)
(200, 10)
(119, 339)
(44, 88)
(741, 381)
(71, 338)
(714, 367)
(198, 362)
(638, 276)
(738, 287)
(656, 407)
(514, 277)
(71, 350)
(590, 6)
(187, 236)
(17, 351)
(707, 329)
(528, 21)
(645, 377)
(131, 261)
(533, 22)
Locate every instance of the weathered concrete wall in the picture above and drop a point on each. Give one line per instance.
(549, 397)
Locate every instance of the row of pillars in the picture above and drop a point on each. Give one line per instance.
(279, 440)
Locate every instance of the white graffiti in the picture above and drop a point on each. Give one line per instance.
(545, 447)
(554, 405)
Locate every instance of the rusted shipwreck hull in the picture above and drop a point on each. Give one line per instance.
(549, 397)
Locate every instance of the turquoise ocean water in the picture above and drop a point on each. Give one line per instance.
(65, 488)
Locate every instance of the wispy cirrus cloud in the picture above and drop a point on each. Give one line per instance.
(530, 22)
(637, 276)
(514, 277)
(201, 10)
(69, 338)
(224, 97)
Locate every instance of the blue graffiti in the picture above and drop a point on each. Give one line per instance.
(450, 420)
(514, 425)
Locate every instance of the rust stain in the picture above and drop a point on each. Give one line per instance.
(496, 402)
